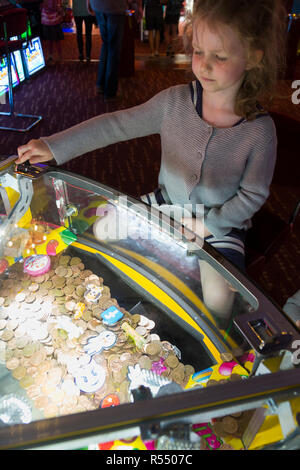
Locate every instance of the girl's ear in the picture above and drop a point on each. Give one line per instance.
(254, 59)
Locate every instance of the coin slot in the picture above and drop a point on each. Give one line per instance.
(267, 337)
(30, 171)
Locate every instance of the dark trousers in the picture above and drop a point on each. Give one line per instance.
(293, 37)
(88, 22)
(111, 30)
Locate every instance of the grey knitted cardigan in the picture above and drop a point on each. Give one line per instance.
(228, 170)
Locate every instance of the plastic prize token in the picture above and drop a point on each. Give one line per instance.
(110, 400)
(147, 378)
(51, 247)
(158, 367)
(68, 237)
(14, 410)
(3, 265)
(111, 316)
(95, 344)
(36, 265)
(93, 293)
(79, 309)
(91, 377)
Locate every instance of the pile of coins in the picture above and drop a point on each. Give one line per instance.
(233, 425)
(45, 322)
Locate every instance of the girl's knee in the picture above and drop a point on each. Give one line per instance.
(216, 291)
(218, 297)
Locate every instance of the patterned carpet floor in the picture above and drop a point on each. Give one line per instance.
(64, 94)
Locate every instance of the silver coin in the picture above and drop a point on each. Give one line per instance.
(20, 332)
(21, 341)
(13, 313)
(3, 314)
(143, 320)
(154, 337)
(12, 324)
(141, 330)
(20, 297)
(150, 325)
(36, 306)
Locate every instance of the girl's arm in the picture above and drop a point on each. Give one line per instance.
(97, 132)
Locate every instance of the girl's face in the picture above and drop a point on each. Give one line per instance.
(219, 58)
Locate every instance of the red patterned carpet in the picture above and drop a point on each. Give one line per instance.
(64, 94)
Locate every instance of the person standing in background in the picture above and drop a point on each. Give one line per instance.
(110, 16)
(52, 33)
(293, 38)
(171, 24)
(137, 7)
(154, 24)
(82, 15)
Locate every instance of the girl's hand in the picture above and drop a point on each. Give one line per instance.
(35, 151)
(196, 225)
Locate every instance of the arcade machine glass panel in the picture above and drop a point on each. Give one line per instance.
(115, 319)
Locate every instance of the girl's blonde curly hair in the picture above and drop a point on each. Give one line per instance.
(261, 25)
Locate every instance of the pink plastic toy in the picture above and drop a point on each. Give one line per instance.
(36, 265)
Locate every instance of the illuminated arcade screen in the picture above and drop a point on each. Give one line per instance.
(34, 57)
(19, 65)
(4, 75)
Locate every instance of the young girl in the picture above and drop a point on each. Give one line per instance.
(218, 144)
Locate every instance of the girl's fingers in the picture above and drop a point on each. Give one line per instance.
(35, 151)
